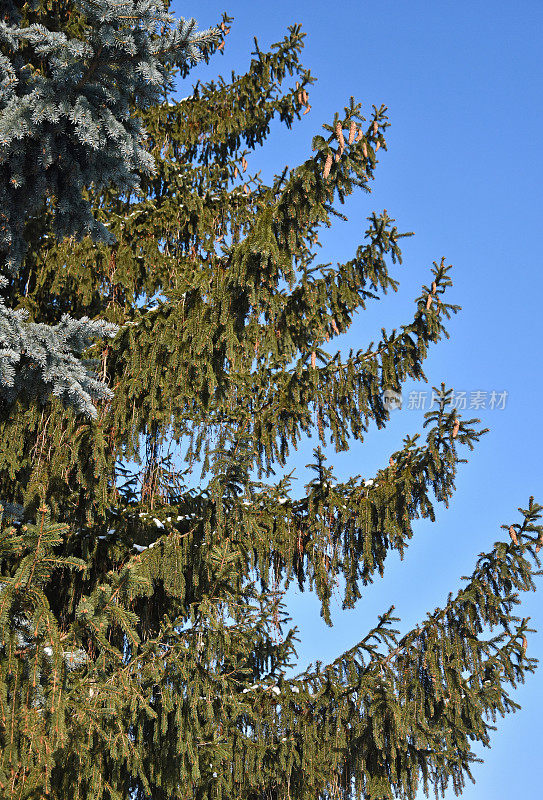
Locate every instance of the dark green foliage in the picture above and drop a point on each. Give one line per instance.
(142, 628)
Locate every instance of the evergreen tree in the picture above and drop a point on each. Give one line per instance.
(144, 642)
(71, 73)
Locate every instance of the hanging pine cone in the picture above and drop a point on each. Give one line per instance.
(524, 644)
(243, 164)
(236, 172)
(339, 134)
(327, 166)
(365, 150)
(434, 287)
(375, 128)
(337, 157)
(456, 428)
(352, 131)
(305, 96)
(335, 327)
(359, 135)
(513, 535)
(429, 301)
(377, 146)
(305, 112)
(313, 359)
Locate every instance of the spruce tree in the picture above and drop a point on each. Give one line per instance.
(139, 611)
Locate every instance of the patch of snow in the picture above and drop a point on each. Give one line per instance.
(368, 483)
(139, 547)
(158, 523)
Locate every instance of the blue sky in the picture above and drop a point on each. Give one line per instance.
(462, 82)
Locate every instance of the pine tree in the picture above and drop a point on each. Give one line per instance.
(144, 642)
(71, 74)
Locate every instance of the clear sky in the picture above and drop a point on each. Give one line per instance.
(464, 169)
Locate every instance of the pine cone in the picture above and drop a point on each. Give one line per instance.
(513, 535)
(243, 164)
(339, 135)
(359, 135)
(524, 644)
(305, 112)
(305, 96)
(434, 287)
(375, 128)
(352, 131)
(456, 428)
(365, 150)
(429, 301)
(377, 146)
(313, 359)
(337, 157)
(335, 327)
(327, 166)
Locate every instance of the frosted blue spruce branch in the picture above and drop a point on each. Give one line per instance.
(65, 126)
(70, 124)
(42, 359)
